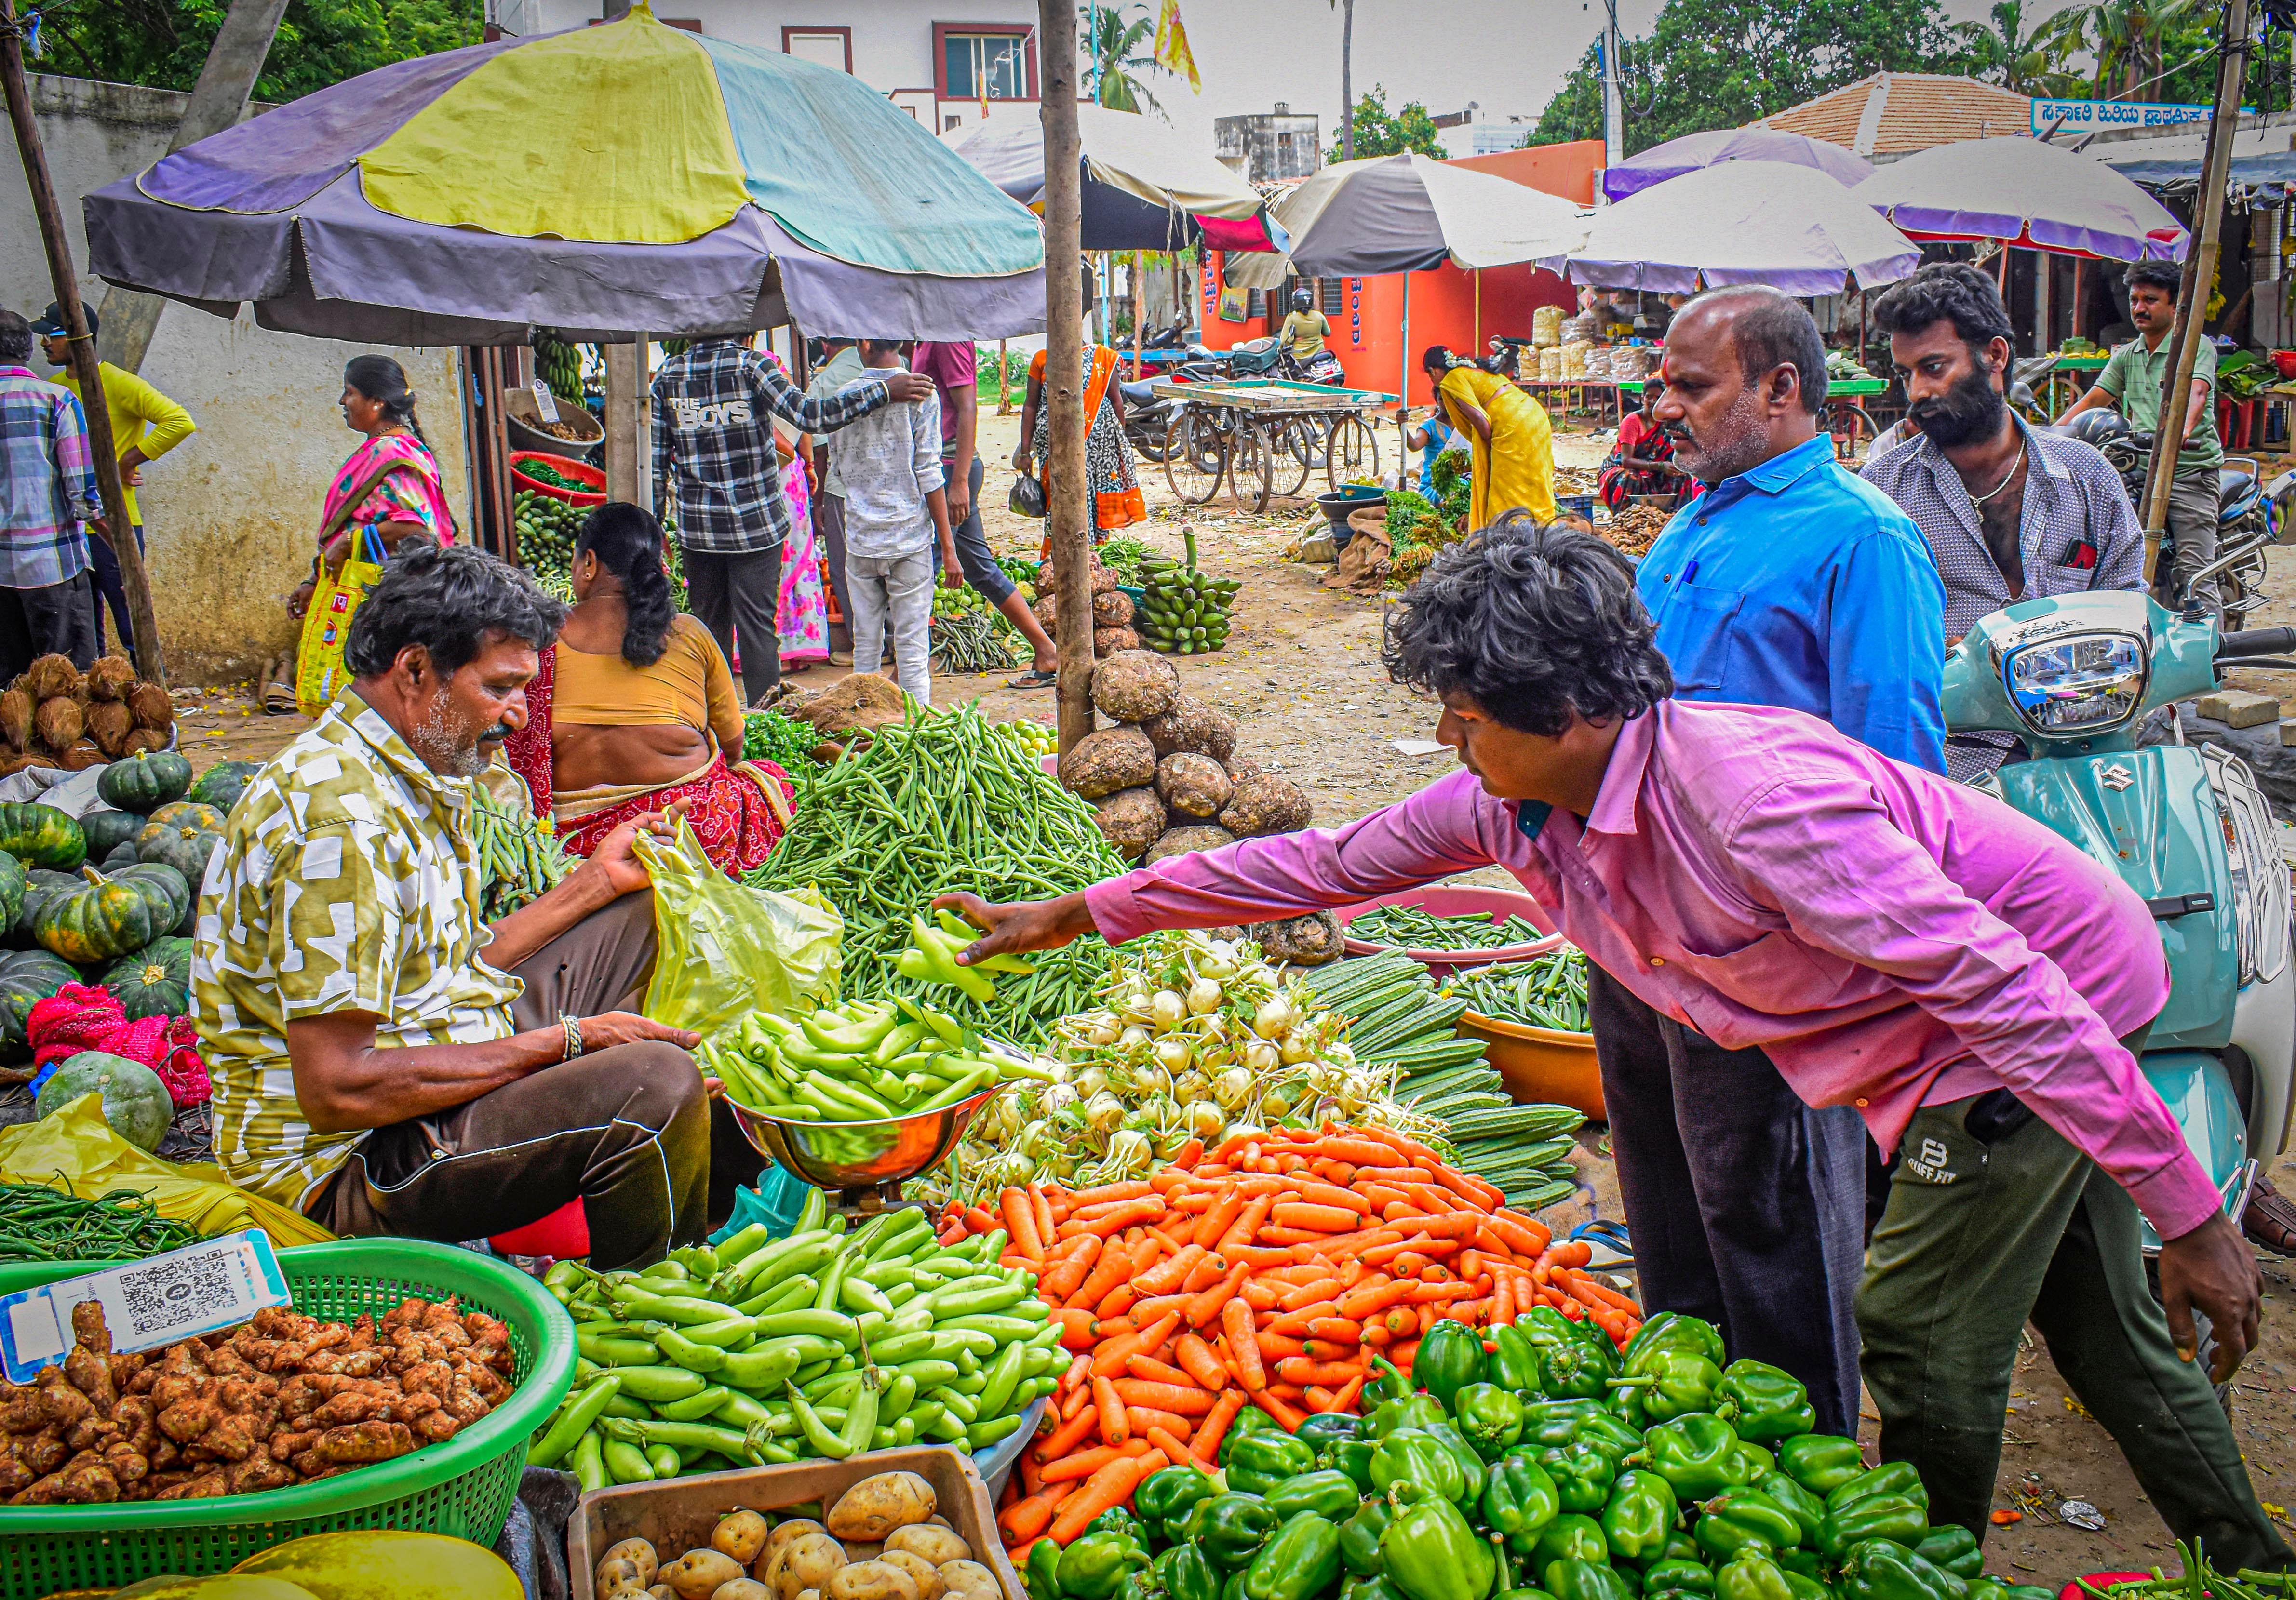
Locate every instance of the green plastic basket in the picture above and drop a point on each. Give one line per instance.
(463, 1488)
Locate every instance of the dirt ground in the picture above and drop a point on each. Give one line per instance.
(1301, 675)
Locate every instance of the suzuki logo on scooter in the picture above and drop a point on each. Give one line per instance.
(2116, 776)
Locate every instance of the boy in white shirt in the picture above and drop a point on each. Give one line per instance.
(890, 463)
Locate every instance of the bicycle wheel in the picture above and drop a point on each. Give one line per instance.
(1350, 452)
(1851, 428)
(1288, 456)
(1195, 457)
(1252, 466)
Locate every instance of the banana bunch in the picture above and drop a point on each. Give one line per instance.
(558, 364)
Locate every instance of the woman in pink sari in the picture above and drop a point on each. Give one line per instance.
(802, 617)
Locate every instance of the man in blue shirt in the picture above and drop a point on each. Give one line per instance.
(1789, 582)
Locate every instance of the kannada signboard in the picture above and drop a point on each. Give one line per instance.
(2097, 115)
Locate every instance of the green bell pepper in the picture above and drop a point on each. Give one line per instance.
(1764, 1403)
(1625, 1403)
(1043, 1575)
(1674, 1576)
(1450, 1358)
(1414, 1411)
(1803, 1559)
(1328, 1494)
(1470, 1464)
(1571, 1371)
(1520, 1495)
(1299, 1563)
(1186, 1573)
(1640, 1516)
(1754, 1460)
(1370, 1587)
(1095, 1567)
(1116, 1519)
(1431, 1554)
(1263, 1460)
(1730, 1522)
(1698, 1454)
(1891, 1478)
(1669, 1331)
(1887, 1517)
(1953, 1548)
(1513, 1361)
(1751, 1575)
(1879, 1569)
(1385, 1384)
(1583, 1475)
(1230, 1528)
(1570, 1538)
(1821, 1463)
(1573, 1579)
(1675, 1383)
(1415, 1465)
(1359, 1536)
(1681, 1546)
(1351, 1456)
(1543, 1325)
(1805, 1508)
(1558, 1421)
(1326, 1429)
(1250, 1420)
(1489, 1417)
(1805, 1587)
(1166, 1500)
(1521, 1592)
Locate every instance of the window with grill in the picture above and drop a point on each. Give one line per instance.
(986, 66)
(1332, 297)
(1256, 303)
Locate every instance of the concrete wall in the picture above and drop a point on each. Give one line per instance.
(231, 513)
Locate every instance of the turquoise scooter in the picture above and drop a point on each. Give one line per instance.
(2186, 827)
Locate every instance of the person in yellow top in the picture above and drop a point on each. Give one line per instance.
(145, 425)
(1508, 432)
(1306, 329)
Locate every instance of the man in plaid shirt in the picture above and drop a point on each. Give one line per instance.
(715, 468)
(47, 493)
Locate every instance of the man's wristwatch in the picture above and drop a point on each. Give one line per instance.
(573, 1037)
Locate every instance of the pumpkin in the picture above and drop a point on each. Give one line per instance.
(135, 1102)
(190, 813)
(108, 917)
(122, 855)
(41, 835)
(155, 981)
(107, 830)
(145, 781)
(187, 850)
(41, 885)
(222, 784)
(12, 879)
(28, 977)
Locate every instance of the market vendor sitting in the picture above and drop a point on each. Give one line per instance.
(382, 1061)
(1642, 462)
(1970, 982)
(634, 709)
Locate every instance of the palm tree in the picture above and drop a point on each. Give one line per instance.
(1120, 50)
(2128, 39)
(1347, 8)
(2027, 61)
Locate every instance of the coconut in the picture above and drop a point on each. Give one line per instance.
(110, 679)
(1188, 724)
(1109, 641)
(1133, 819)
(1112, 610)
(16, 717)
(143, 739)
(1188, 840)
(152, 707)
(1193, 785)
(108, 724)
(1136, 686)
(1310, 941)
(50, 676)
(1113, 759)
(1266, 803)
(83, 754)
(59, 722)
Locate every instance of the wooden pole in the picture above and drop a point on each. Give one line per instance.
(2077, 264)
(2200, 271)
(1067, 524)
(626, 466)
(85, 366)
(1004, 394)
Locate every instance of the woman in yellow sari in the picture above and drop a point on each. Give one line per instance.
(1507, 431)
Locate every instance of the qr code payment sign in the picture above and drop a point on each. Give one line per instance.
(179, 1291)
(203, 1288)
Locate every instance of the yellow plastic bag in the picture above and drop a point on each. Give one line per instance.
(74, 1147)
(723, 950)
(319, 669)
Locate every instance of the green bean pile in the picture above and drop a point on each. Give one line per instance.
(1550, 993)
(518, 862)
(41, 1224)
(1409, 927)
(938, 804)
(972, 638)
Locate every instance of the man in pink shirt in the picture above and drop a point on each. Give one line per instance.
(1894, 942)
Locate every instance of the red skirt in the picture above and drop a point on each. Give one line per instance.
(728, 809)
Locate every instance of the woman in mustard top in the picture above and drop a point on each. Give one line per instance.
(634, 710)
(1508, 433)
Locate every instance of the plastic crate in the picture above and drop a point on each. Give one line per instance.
(463, 1488)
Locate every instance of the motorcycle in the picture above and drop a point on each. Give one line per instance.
(1506, 357)
(2187, 828)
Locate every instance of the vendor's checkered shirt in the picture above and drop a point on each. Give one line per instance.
(2071, 496)
(713, 442)
(346, 881)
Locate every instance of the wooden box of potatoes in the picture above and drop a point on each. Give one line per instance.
(900, 1524)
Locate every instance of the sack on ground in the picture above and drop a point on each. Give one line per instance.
(722, 950)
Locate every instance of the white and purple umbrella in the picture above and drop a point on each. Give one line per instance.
(1743, 222)
(2029, 193)
(1692, 151)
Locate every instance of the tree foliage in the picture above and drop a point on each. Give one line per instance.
(163, 44)
(1119, 53)
(1379, 133)
(1724, 63)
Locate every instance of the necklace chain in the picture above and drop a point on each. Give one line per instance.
(2013, 466)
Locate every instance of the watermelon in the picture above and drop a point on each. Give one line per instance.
(135, 1102)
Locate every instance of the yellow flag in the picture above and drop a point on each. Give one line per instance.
(1172, 51)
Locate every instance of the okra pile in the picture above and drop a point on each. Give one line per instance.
(824, 1343)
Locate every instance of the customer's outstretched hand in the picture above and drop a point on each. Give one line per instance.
(2213, 1269)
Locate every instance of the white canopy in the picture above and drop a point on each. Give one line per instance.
(1743, 222)
(2029, 192)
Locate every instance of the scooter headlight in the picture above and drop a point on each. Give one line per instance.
(2260, 877)
(2081, 683)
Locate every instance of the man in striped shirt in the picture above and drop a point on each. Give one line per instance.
(47, 502)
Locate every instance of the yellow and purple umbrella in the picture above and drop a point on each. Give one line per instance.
(608, 181)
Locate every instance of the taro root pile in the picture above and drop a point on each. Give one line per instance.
(1111, 612)
(55, 715)
(285, 1399)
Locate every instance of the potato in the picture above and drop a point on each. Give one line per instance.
(698, 1574)
(863, 1549)
(743, 1588)
(639, 1554)
(876, 1505)
(936, 1544)
(870, 1581)
(969, 1581)
(617, 1575)
(662, 1591)
(793, 1528)
(740, 1535)
(924, 1574)
(938, 1521)
(806, 1563)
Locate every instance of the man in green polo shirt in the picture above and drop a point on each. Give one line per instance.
(2131, 383)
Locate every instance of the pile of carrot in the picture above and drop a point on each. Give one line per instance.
(1268, 1272)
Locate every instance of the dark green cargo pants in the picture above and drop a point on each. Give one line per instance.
(1979, 1235)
